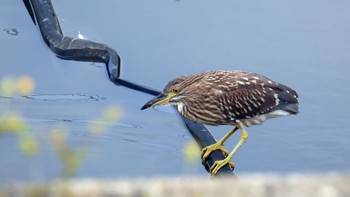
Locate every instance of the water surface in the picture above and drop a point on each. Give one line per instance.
(302, 44)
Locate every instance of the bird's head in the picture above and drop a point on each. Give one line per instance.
(173, 94)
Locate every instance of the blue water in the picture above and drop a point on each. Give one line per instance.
(303, 44)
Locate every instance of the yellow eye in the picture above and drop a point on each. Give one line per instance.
(175, 90)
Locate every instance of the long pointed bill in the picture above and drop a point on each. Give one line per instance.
(158, 100)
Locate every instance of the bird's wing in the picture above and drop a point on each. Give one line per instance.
(245, 103)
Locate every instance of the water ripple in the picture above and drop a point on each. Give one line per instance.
(62, 97)
(76, 121)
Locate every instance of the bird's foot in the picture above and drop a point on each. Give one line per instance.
(206, 151)
(219, 164)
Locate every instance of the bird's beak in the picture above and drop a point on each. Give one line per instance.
(161, 99)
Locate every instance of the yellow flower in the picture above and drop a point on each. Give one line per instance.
(97, 127)
(25, 85)
(191, 152)
(8, 86)
(112, 113)
(12, 123)
(28, 145)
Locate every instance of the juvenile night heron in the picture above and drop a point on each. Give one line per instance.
(237, 98)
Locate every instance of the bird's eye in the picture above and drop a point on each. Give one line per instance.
(175, 90)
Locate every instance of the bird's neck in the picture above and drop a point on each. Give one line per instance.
(180, 107)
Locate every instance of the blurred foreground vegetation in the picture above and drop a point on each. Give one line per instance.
(13, 123)
(71, 157)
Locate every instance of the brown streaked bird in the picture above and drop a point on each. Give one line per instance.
(237, 98)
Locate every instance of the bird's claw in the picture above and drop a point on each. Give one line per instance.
(206, 151)
(219, 164)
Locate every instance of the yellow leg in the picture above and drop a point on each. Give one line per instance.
(219, 164)
(209, 149)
